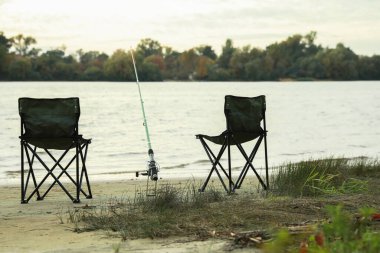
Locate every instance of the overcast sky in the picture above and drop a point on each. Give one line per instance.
(106, 25)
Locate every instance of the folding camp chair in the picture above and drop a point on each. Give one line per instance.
(243, 116)
(47, 125)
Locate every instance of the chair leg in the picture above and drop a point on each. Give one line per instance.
(23, 201)
(24, 185)
(266, 149)
(64, 171)
(84, 171)
(77, 200)
(230, 188)
(246, 166)
(266, 159)
(251, 166)
(212, 157)
(214, 164)
(80, 172)
(34, 177)
(50, 173)
(31, 172)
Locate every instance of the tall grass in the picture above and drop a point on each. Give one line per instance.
(182, 210)
(143, 216)
(326, 176)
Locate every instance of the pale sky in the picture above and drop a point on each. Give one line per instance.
(107, 25)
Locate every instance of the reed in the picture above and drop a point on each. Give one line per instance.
(323, 176)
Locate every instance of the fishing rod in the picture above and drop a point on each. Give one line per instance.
(152, 166)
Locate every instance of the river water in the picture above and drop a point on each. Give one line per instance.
(304, 119)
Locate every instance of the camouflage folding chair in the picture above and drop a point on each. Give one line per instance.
(48, 125)
(244, 116)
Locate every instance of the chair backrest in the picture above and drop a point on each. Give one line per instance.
(244, 114)
(49, 118)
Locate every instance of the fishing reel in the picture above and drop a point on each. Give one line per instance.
(152, 168)
(152, 171)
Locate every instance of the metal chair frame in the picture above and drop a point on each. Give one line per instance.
(29, 151)
(229, 140)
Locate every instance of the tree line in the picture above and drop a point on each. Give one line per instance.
(297, 57)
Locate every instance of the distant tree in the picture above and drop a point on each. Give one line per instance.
(376, 63)
(285, 54)
(187, 64)
(218, 74)
(150, 72)
(369, 67)
(254, 70)
(227, 52)
(55, 65)
(207, 51)
(306, 61)
(202, 68)
(93, 73)
(5, 44)
(259, 67)
(167, 51)
(172, 65)
(309, 67)
(157, 60)
(63, 71)
(88, 57)
(34, 52)
(340, 63)
(239, 58)
(22, 44)
(20, 69)
(92, 58)
(4, 41)
(119, 67)
(3, 63)
(311, 48)
(102, 57)
(148, 47)
(92, 65)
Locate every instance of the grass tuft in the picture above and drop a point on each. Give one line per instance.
(326, 176)
(145, 216)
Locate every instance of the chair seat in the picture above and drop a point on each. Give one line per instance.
(55, 143)
(238, 138)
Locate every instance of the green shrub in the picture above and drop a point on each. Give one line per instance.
(342, 233)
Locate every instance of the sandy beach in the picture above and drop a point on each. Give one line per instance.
(42, 226)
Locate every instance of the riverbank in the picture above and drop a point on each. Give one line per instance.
(121, 219)
(44, 226)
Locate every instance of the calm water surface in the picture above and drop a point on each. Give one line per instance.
(304, 120)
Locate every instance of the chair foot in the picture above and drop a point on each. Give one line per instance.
(76, 201)
(40, 198)
(24, 202)
(200, 190)
(89, 197)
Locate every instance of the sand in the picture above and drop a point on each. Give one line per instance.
(42, 226)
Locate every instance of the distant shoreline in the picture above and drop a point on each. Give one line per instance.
(296, 58)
